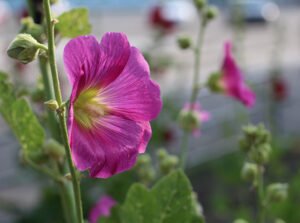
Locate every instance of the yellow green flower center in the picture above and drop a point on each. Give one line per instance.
(88, 108)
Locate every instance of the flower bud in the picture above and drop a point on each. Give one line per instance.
(200, 4)
(249, 172)
(240, 221)
(161, 154)
(54, 149)
(277, 192)
(189, 120)
(169, 164)
(24, 48)
(52, 104)
(260, 154)
(214, 83)
(184, 42)
(211, 12)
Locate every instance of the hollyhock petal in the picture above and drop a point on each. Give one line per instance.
(133, 94)
(96, 63)
(108, 148)
(147, 133)
(101, 209)
(233, 81)
(115, 49)
(81, 57)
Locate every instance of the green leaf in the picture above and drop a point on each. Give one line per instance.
(74, 23)
(20, 117)
(169, 201)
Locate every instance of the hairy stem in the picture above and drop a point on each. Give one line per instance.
(61, 112)
(195, 88)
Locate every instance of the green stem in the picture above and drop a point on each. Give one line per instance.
(61, 113)
(47, 81)
(184, 147)
(195, 88)
(261, 196)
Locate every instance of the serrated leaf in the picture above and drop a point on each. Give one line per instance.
(74, 23)
(170, 200)
(140, 206)
(174, 198)
(20, 117)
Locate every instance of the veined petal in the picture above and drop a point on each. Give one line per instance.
(233, 80)
(133, 94)
(96, 63)
(82, 57)
(147, 133)
(109, 148)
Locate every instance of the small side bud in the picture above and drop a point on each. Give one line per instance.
(240, 221)
(214, 83)
(249, 172)
(24, 48)
(168, 164)
(161, 154)
(200, 4)
(277, 192)
(211, 12)
(189, 120)
(184, 42)
(52, 104)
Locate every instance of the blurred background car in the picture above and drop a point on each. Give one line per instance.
(253, 10)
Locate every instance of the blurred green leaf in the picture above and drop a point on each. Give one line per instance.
(20, 117)
(169, 201)
(74, 23)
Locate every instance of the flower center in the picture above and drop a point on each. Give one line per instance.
(88, 108)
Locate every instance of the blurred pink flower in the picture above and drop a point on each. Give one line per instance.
(112, 101)
(191, 117)
(232, 80)
(101, 209)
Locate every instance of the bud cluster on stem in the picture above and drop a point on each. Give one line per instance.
(256, 145)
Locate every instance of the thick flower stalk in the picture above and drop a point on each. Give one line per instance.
(101, 209)
(230, 81)
(112, 101)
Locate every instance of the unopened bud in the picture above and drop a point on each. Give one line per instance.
(52, 104)
(24, 48)
(169, 164)
(189, 120)
(144, 159)
(161, 154)
(211, 12)
(214, 82)
(260, 154)
(184, 42)
(249, 172)
(200, 4)
(277, 192)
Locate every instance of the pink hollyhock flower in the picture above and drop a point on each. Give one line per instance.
(233, 81)
(101, 209)
(230, 80)
(191, 117)
(112, 101)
